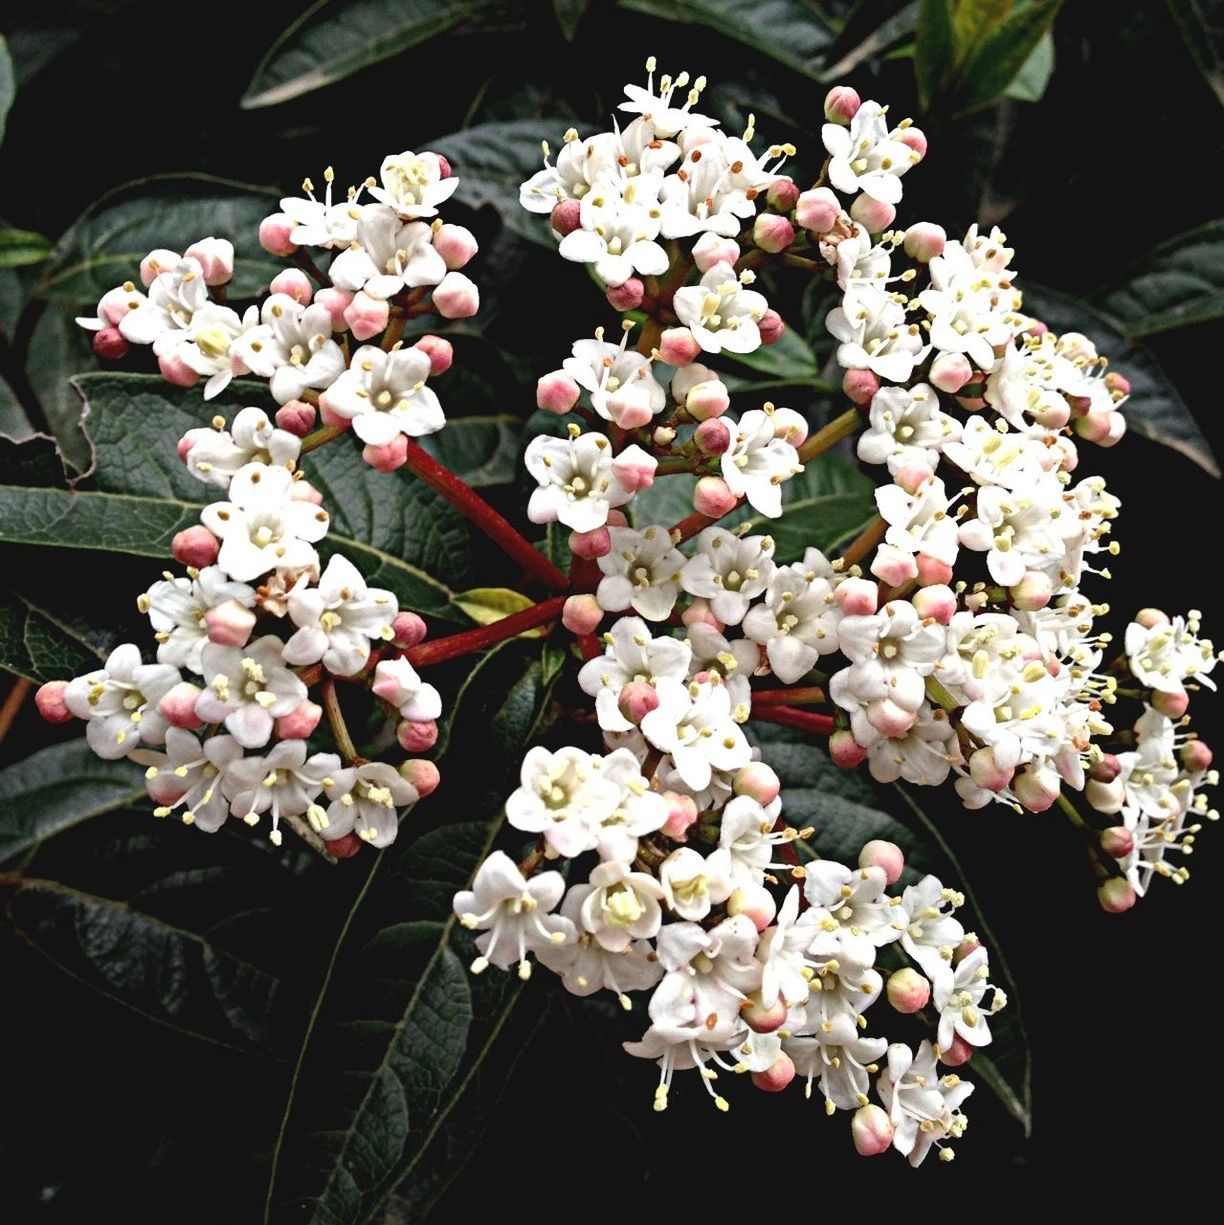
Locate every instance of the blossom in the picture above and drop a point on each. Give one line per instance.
(919, 522)
(388, 255)
(119, 702)
(924, 1106)
(631, 654)
(1164, 655)
(292, 346)
(413, 185)
(619, 222)
(695, 724)
(721, 312)
(843, 1068)
(933, 931)
(284, 782)
(586, 966)
(189, 775)
(865, 917)
(365, 801)
(958, 997)
(384, 395)
(906, 426)
(867, 156)
(890, 653)
(606, 370)
(174, 299)
(642, 571)
(922, 756)
(728, 570)
(747, 834)
(694, 883)
(797, 621)
(577, 483)
(1020, 529)
(759, 460)
(215, 454)
(714, 190)
(322, 223)
(396, 681)
(657, 107)
(874, 334)
(619, 906)
(248, 689)
(177, 607)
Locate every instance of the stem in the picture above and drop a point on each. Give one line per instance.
(309, 266)
(686, 529)
(307, 835)
(830, 435)
(804, 720)
(805, 695)
(865, 541)
(1091, 845)
(648, 340)
(395, 329)
(13, 704)
(466, 500)
(454, 645)
(335, 717)
(801, 261)
(324, 434)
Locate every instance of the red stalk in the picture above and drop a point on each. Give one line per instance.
(788, 716)
(455, 645)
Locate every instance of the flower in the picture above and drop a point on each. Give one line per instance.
(619, 222)
(396, 681)
(119, 702)
(384, 395)
(721, 312)
(642, 572)
(759, 460)
(189, 775)
(388, 255)
(292, 346)
(1164, 655)
(874, 334)
(365, 800)
(797, 622)
(174, 299)
(177, 607)
(321, 223)
(867, 156)
(657, 107)
(958, 997)
(338, 619)
(919, 522)
(906, 426)
(890, 653)
(923, 1106)
(248, 689)
(728, 570)
(1021, 529)
(284, 781)
(619, 906)
(577, 483)
(693, 883)
(933, 932)
(747, 834)
(604, 370)
(413, 184)
(215, 454)
(695, 724)
(631, 654)
(923, 756)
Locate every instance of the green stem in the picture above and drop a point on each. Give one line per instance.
(335, 719)
(323, 435)
(830, 435)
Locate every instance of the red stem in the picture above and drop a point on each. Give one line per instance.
(788, 716)
(801, 696)
(466, 500)
(686, 529)
(454, 645)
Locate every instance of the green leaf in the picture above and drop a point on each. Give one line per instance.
(479, 450)
(1033, 78)
(790, 32)
(846, 811)
(58, 348)
(332, 39)
(59, 518)
(485, 605)
(934, 49)
(8, 85)
(789, 363)
(1202, 26)
(38, 645)
(868, 35)
(14, 423)
(569, 13)
(1177, 283)
(59, 787)
(998, 58)
(20, 248)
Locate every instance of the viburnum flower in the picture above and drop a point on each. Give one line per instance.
(875, 335)
(619, 906)
(189, 776)
(262, 526)
(177, 608)
(958, 997)
(722, 312)
(714, 190)
(842, 1068)
(365, 801)
(759, 460)
(283, 782)
(338, 618)
(890, 653)
(693, 883)
(747, 835)
(933, 933)
(248, 688)
(322, 223)
(388, 255)
(174, 298)
(642, 571)
(607, 371)
(924, 1106)
(657, 106)
(384, 395)
(215, 454)
(631, 654)
(867, 918)
(119, 702)
(867, 156)
(797, 621)
(728, 570)
(906, 426)
(396, 681)
(578, 485)
(292, 346)
(413, 185)
(922, 756)
(619, 222)
(1020, 529)
(1168, 653)
(585, 966)
(695, 724)
(736, 661)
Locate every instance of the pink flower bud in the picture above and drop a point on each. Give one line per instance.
(912, 476)
(566, 216)
(195, 546)
(304, 491)
(296, 417)
(637, 700)
(49, 699)
(557, 392)
(845, 750)
(118, 302)
(335, 302)
(707, 399)
(299, 723)
(1106, 798)
(914, 138)
(591, 545)
(581, 614)
(1171, 705)
(950, 372)
(344, 847)
(215, 257)
(1036, 787)
(860, 385)
(1117, 841)
(1097, 426)
(771, 327)
(444, 167)
(871, 1130)
(439, 350)
(781, 197)
(875, 216)
(456, 297)
(387, 457)
(772, 233)
(422, 774)
(155, 263)
(712, 437)
(908, 991)
(274, 235)
(629, 406)
(711, 249)
(988, 772)
(1196, 756)
(755, 901)
(713, 497)
(367, 316)
(924, 241)
(1116, 895)
(958, 1054)
(230, 624)
(790, 426)
(818, 210)
(887, 856)
(175, 370)
(888, 718)
(681, 813)
(295, 283)
(1033, 591)
(932, 572)
(178, 705)
(677, 347)
(417, 735)
(627, 296)
(841, 104)
(893, 566)
(758, 781)
(763, 1018)
(777, 1076)
(456, 244)
(858, 597)
(408, 630)
(699, 612)
(936, 601)
(1106, 769)
(108, 344)
(1118, 384)
(617, 518)
(1149, 618)
(634, 468)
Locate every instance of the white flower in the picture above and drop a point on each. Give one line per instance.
(512, 913)
(619, 224)
(797, 622)
(1020, 529)
(248, 688)
(658, 107)
(782, 952)
(174, 299)
(1165, 655)
(890, 652)
(1028, 383)
(176, 609)
(338, 619)
(262, 526)
(958, 997)
(112, 307)
(919, 522)
(842, 1067)
(365, 801)
(721, 312)
(206, 344)
(759, 460)
(396, 681)
(641, 572)
(387, 255)
(714, 190)
(188, 775)
(631, 655)
(924, 1106)
(696, 725)
(747, 834)
(577, 484)
(292, 346)
(728, 570)
(693, 883)
(412, 184)
(933, 932)
(384, 395)
(215, 454)
(923, 756)
(322, 223)
(874, 334)
(1023, 720)
(994, 455)
(283, 782)
(866, 917)
(734, 661)
(906, 426)
(867, 156)
(119, 701)
(619, 906)
(604, 369)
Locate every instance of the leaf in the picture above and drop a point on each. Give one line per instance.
(934, 49)
(57, 349)
(1032, 79)
(1202, 26)
(37, 645)
(790, 32)
(569, 13)
(20, 248)
(867, 34)
(8, 84)
(59, 787)
(332, 39)
(478, 450)
(1178, 283)
(1154, 409)
(15, 425)
(485, 605)
(846, 811)
(999, 57)
(789, 363)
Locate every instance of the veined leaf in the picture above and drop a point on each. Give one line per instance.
(478, 450)
(485, 605)
(1202, 27)
(789, 363)
(34, 643)
(20, 248)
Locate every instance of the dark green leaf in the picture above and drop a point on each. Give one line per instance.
(109, 522)
(997, 59)
(934, 49)
(8, 85)
(332, 39)
(12, 300)
(1202, 26)
(58, 787)
(789, 363)
(790, 32)
(1031, 81)
(569, 14)
(20, 248)
(58, 348)
(868, 34)
(480, 450)
(38, 645)
(14, 423)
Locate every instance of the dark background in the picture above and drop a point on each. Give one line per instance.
(104, 1111)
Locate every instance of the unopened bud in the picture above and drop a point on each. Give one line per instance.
(635, 468)
(49, 699)
(699, 612)
(908, 991)
(456, 244)
(1196, 756)
(1106, 798)
(712, 437)
(178, 705)
(387, 456)
(936, 601)
(888, 856)
(456, 297)
(781, 196)
(366, 316)
(707, 399)
(915, 139)
(845, 750)
(176, 371)
(581, 614)
(1116, 895)
(627, 296)
(873, 215)
(1118, 384)
(758, 781)
(229, 624)
(871, 1130)
(678, 347)
(109, 344)
(858, 597)
(988, 772)
(1171, 705)
(681, 813)
(422, 774)
(664, 436)
(924, 241)
(711, 249)
(566, 216)
(1149, 618)
(713, 497)
(417, 735)
(557, 392)
(860, 385)
(154, 264)
(958, 1054)
(888, 718)
(344, 847)
(299, 723)
(1036, 787)
(297, 417)
(1032, 592)
(294, 283)
(772, 233)
(215, 257)
(777, 1076)
(439, 350)
(790, 426)
(841, 104)
(950, 372)
(630, 407)
(274, 234)
(1105, 769)
(335, 302)
(637, 700)
(1117, 841)
(591, 545)
(195, 546)
(763, 1018)
(893, 565)
(818, 210)
(771, 327)
(408, 630)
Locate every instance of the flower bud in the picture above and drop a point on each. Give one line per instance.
(772, 233)
(296, 417)
(758, 781)
(456, 244)
(932, 572)
(566, 216)
(109, 344)
(677, 347)
(699, 612)
(557, 392)
(344, 847)
(1107, 798)
(1116, 895)
(155, 263)
(456, 297)
(1116, 841)
(293, 282)
(581, 614)
(367, 316)
(178, 705)
(274, 234)
(908, 991)
(950, 372)
(229, 624)
(637, 700)
(1118, 384)
(422, 775)
(1102, 426)
(681, 813)
(417, 735)
(914, 138)
(629, 406)
(1171, 705)
(664, 436)
(387, 456)
(707, 399)
(1036, 787)
(445, 171)
(713, 497)
(988, 772)
(924, 241)
(439, 350)
(755, 901)
(1105, 769)
(408, 630)
(590, 545)
(1032, 592)
(195, 546)
(873, 215)
(817, 210)
(763, 1018)
(781, 197)
(777, 1076)
(771, 327)
(215, 257)
(860, 386)
(887, 856)
(845, 750)
(303, 491)
(711, 249)
(627, 296)
(1196, 756)
(936, 601)
(635, 468)
(712, 437)
(958, 1054)
(841, 104)
(175, 370)
(299, 723)
(893, 566)
(888, 718)
(49, 699)
(871, 1130)
(858, 597)
(1149, 618)
(335, 302)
